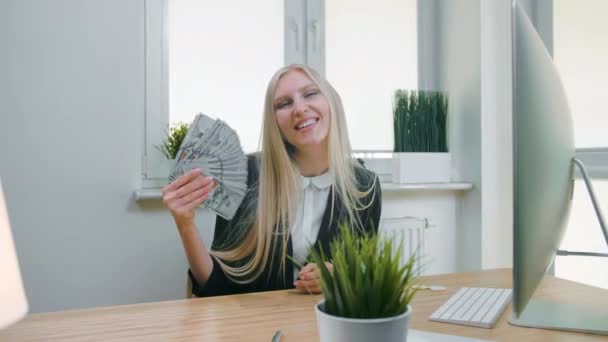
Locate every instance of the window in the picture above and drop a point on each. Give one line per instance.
(580, 34)
(371, 51)
(220, 60)
(217, 57)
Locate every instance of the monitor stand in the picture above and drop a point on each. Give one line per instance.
(596, 205)
(597, 209)
(547, 314)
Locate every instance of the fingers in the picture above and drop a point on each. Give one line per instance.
(200, 182)
(194, 198)
(309, 290)
(308, 268)
(201, 188)
(315, 282)
(183, 179)
(309, 281)
(187, 192)
(312, 268)
(193, 185)
(312, 286)
(310, 278)
(190, 201)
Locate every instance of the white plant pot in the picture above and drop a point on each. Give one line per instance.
(339, 329)
(421, 167)
(166, 165)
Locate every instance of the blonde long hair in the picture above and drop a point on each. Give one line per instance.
(247, 255)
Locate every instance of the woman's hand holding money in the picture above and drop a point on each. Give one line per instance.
(182, 196)
(186, 193)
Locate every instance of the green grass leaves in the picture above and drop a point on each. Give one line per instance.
(173, 140)
(420, 121)
(368, 280)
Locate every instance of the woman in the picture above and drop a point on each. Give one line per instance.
(301, 187)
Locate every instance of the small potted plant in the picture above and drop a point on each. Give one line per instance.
(420, 121)
(368, 291)
(173, 140)
(171, 143)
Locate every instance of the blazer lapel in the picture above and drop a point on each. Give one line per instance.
(329, 224)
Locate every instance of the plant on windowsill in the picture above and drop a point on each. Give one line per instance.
(368, 292)
(420, 122)
(173, 140)
(171, 143)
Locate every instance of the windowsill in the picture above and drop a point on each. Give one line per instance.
(155, 193)
(393, 187)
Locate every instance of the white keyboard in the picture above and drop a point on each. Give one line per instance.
(474, 306)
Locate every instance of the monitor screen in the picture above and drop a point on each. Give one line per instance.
(543, 147)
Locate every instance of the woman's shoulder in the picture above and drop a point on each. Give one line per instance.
(253, 168)
(254, 157)
(365, 177)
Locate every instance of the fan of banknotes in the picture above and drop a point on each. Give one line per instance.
(214, 147)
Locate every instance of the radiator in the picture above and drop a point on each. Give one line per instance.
(411, 231)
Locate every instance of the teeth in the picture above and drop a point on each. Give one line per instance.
(307, 123)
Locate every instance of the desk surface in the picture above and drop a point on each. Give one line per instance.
(255, 317)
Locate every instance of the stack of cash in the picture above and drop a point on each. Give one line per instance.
(214, 147)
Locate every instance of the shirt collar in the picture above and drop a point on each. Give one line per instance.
(320, 182)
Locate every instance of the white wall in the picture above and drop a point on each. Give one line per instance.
(71, 139)
(459, 74)
(471, 48)
(496, 135)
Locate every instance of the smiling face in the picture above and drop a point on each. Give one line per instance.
(302, 111)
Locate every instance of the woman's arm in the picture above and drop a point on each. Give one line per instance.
(206, 274)
(182, 196)
(199, 259)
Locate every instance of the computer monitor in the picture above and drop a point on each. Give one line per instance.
(543, 182)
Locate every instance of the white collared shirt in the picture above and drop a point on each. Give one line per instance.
(315, 191)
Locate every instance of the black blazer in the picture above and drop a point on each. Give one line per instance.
(272, 278)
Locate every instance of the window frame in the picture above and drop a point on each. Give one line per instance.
(300, 17)
(156, 93)
(304, 28)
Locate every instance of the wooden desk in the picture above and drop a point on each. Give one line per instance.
(255, 317)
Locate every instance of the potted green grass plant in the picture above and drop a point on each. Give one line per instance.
(420, 122)
(171, 143)
(173, 140)
(368, 291)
